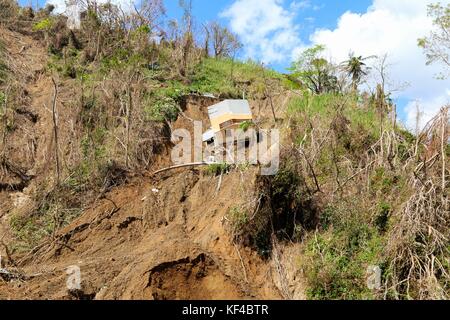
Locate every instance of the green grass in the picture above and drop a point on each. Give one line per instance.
(219, 77)
(56, 210)
(327, 106)
(337, 261)
(319, 105)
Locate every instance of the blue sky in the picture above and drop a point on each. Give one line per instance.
(276, 31)
(365, 27)
(309, 15)
(324, 12)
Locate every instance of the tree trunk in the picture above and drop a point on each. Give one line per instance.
(269, 94)
(129, 113)
(5, 127)
(55, 132)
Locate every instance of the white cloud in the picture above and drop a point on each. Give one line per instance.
(268, 31)
(392, 27)
(304, 4)
(427, 110)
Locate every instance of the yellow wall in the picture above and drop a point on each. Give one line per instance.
(215, 123)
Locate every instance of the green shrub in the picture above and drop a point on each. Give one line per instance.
(43, 25)
(382, 180)
(293, 207)
(328, 106)
(28, 232)
(239, 218)
(338, 260)
(382, 218)
(56, 210)
(3, 67)
(216, 169)
(338, 254)
(244, 126)
(165, 109)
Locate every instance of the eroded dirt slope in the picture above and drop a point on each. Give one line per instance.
(139, 243)
(156, 237)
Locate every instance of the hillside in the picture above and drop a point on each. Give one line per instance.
(86, 120)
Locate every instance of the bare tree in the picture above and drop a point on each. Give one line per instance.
(188, 39)
(268, 92)
(148, 13)
(382, 67)
(207, 40)
(437, 44)
(224, 42)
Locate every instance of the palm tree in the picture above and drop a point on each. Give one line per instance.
(356, 69)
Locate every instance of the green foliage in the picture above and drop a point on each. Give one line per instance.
(3, 67)
(354, 128)
(323, 105)
(142, 30)
(315, 72)
(239, 218)
(89, 172)
(216, 169)
(174, 90)
(56, 209)
(293, 209)
(80, 177)
(356, 69)
(328, 106)
(28, 232)
(382, 181)
(43, 25)
(70, 66)
(163, 109)
(382, 218)
(244, 126)
(122, 59)
(244, 166)
(285, 184)
(337, 259)
(437, 45)
(219, 76)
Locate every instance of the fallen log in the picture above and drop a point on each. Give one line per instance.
(193, 164)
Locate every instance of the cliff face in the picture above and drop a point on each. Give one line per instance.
(136, 243)
(152, 237)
